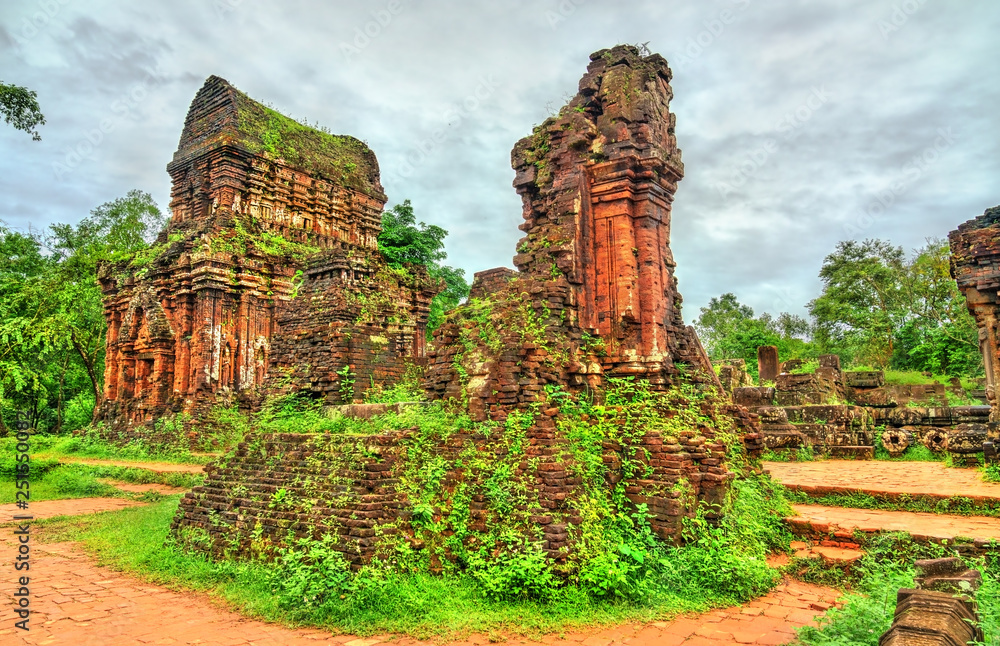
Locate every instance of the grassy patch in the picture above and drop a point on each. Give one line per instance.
(52, 481)
(90, 446)
(700, 576)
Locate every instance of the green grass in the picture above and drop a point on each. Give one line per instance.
(52, 481)
(914, 453)
(94, 448)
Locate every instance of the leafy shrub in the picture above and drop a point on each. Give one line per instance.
(310, 573)
(522, 572)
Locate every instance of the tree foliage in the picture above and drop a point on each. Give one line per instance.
(19, 107)
(52, 326)
(880, 307)
(730, 330)
(405, 241)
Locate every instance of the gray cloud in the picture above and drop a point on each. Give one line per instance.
(735, 80)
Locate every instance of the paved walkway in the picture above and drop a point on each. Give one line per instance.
(159, 467)
(930, 479)
(922, 526)
(68, 507)
(78, 603)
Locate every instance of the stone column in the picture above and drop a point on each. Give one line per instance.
(767, 363)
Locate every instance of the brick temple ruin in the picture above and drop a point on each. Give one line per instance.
(267, 277)
(595, 297)
(975, 265)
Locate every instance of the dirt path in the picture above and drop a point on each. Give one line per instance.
(922, 526)
(131, 487)
(77, 603)
(68, 507)
(930, 479)
(159, 467)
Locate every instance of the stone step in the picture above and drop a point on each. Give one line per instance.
(885, 479)
(839, 554)
(818, 522)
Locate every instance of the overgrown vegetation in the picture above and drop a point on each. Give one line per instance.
(404, 241)
(52, 328)
(867, 610)
(467, 578)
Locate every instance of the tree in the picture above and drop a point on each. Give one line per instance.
(730, 330)
(404, 241)
(880, 307)
(19, 107)
(114, 231)
(52, 327)
(863, 302)
(940, 335)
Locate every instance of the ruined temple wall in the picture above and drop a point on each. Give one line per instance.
(975, 265)
(281, 199)
(228, 158)
(354, 313)
(284, 486)
(256, 200)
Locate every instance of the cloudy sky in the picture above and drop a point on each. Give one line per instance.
(801, 123)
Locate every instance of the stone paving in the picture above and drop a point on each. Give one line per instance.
(922, 526)
(931, 479)
(78, 603)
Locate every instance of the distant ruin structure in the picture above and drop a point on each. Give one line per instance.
(268, 272)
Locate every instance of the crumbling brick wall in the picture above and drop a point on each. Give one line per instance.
(280, 487)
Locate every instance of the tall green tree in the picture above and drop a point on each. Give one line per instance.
(405, 241)
(940, 335)
(52, 326)
(863, 302)
(881, 307)
(19, 107)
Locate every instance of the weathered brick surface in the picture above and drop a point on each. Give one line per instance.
(350, 487)
(596, 274)
(975, 265)
(227, 303)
